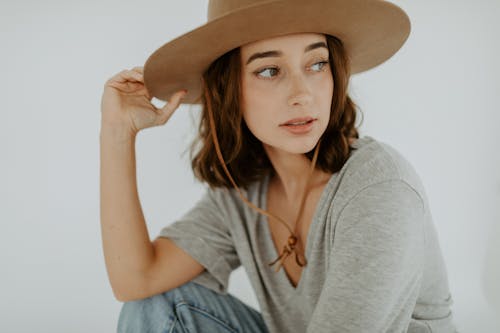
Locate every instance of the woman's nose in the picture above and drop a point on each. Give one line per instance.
(300, 93)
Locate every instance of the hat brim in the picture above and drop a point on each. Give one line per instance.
(371, 31)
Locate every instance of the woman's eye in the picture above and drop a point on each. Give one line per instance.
(269, 69)
(322, 63)
(272, 71)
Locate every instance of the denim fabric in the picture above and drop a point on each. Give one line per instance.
(189, 308)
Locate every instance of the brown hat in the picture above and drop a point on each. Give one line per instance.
(372, 31)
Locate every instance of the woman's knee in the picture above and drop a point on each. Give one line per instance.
(149, 315)
(189, 307)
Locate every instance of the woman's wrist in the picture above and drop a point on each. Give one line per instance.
(117, 134)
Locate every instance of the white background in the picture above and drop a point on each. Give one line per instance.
(436, 101)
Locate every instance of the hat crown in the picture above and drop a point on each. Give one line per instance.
(217, 8)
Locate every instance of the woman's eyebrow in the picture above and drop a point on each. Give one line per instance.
(276, 53)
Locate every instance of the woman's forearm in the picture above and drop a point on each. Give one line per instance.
(128, 250)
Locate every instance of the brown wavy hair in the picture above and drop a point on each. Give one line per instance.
(243, 153)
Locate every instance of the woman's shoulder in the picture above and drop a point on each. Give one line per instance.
(229, 198)
(373, 161)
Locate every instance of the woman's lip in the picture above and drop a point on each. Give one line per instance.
(300, 129)
(297, 120)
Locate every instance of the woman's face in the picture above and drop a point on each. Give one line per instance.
(284, 78)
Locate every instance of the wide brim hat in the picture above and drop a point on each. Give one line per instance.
(372, 31)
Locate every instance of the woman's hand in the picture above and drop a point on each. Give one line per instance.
(126, 103)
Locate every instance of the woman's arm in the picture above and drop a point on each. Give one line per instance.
(128, 251)
(376, 262)
(126, 109)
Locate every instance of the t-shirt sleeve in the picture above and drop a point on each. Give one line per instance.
(204, 233)
(376, 262)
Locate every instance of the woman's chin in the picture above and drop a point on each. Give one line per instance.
(299, 146)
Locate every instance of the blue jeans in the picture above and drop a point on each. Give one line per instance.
(189, 308)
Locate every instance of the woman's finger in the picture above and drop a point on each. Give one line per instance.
(139, 69)
(132, 75)
(171, 105)
(127, 75)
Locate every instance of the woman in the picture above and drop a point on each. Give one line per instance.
(291, 183)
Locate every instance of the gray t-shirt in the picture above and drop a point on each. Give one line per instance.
(374, 260)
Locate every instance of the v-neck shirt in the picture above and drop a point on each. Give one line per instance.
(373, 257)
(264, 190)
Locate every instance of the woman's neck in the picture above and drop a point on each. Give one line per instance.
(291, 173)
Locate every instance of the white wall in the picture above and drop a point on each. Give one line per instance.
(436, 101)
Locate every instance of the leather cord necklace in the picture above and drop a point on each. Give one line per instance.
(292, 245)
